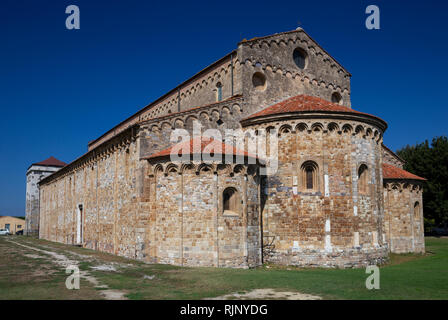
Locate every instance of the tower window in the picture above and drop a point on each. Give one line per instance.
(231, 201)
(363, 175)
(310, 181)
(300, 58)
(336, 98)
(416, 209)
(218, 91)
(259, 81)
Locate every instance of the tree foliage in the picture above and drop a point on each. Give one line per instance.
(430, 161)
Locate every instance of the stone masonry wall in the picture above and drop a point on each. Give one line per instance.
(191, 227)
(107, 187)
(404, 224)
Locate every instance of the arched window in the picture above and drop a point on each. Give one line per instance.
(363, 176)
(218, 91)
(231, 201)
(416, 209)
(310, 181)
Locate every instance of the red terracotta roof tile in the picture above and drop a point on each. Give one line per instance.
(52, 161)
(197, 146)
(392, 172)
(305, 103)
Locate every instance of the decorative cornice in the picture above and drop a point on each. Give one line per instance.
(168, 167)
(103, 151)
(365, 118)
(180, 115)
(403, 184)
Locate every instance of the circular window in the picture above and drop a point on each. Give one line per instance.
(259, 81)
(300, 58)
(336, 98)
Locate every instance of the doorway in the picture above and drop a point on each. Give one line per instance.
(79, 230)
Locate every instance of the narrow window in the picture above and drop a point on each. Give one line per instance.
(363, 173)
(218, 91)
(416, 209)
(230, 200)
(309, 176)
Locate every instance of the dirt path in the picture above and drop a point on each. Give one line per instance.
(64, 262)
(269, 294)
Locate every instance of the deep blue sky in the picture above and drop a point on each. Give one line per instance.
(61, 88)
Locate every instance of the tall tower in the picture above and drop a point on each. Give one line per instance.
(35, 173)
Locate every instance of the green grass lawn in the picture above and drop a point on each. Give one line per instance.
(406, 277)
(25, 277)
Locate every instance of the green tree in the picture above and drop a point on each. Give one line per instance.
(431, 162)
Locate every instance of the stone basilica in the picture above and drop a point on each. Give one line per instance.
(339, 197)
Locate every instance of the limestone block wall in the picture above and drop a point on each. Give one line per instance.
(404, 224)
(272, 56)
(96, 202)
(334, 224)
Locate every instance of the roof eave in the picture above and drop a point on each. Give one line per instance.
(316, 114)
(45, 165)
(167, 157)
(421, 180)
